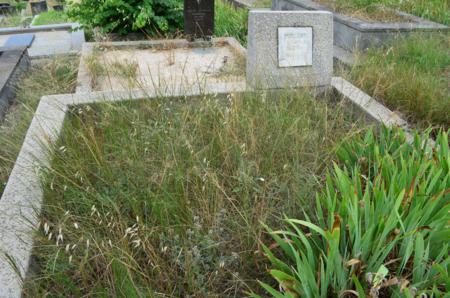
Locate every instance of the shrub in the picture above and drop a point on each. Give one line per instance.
(125, 16)
(381, 228)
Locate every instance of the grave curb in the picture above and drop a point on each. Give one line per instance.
(21, 202)
(351, 33)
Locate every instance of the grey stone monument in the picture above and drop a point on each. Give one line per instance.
(289, 49)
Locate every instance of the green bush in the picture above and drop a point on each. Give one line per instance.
(381, 226)
(125, 16)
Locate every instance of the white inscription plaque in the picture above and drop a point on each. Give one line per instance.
(294, 46)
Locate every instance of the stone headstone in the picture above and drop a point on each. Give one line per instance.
(58, 7)
(19, 41)
(38, 7)
(199, 18)
(289, 49)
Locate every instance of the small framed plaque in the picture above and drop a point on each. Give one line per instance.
(295, 46)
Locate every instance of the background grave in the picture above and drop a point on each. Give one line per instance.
(49, 39)
(351, 33)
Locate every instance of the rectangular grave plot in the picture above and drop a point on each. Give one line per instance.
(199, 18)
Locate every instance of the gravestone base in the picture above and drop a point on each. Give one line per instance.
(289, 49)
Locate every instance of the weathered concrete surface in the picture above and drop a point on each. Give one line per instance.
(161, 64)
(351, 33)
(49, 39)
(263, 70)
(12, 64)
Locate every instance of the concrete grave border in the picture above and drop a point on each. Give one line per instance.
(84, 78)
(351, 33)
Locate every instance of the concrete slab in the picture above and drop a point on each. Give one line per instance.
(51, 43)
(159, 64)
(157, 68)
(19, 41)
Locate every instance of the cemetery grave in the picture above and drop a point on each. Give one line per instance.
(352, 33)
(196, 167)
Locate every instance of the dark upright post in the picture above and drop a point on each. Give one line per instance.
(199, 18)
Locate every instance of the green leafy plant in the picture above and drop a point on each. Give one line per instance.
(381, 226)
(125, 16)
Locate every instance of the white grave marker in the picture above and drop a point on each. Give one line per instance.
(295, 46)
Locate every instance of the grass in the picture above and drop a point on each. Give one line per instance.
(165, 197)
(411, 76)
(436, 10)
(231, 21)
(14, 21)
(50, 17)
(55, 77)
